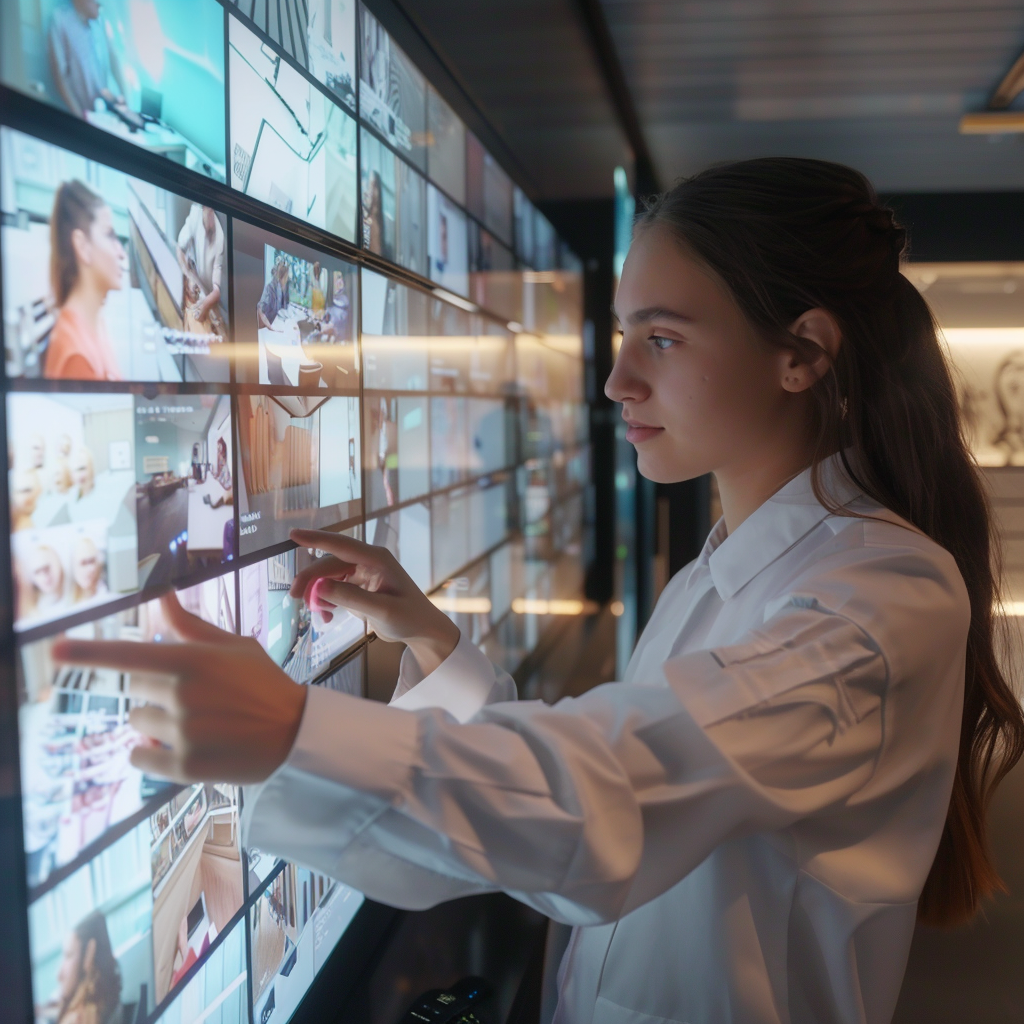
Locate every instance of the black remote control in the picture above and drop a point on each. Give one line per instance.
(449, 1006)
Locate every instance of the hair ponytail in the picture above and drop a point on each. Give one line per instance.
(788, 235)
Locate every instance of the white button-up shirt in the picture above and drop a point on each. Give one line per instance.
(739, 831)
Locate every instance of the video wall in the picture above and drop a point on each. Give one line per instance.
(185, 382)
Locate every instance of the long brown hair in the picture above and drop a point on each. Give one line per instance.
(74, 209)
(786, 235)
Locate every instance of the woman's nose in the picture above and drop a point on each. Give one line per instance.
(625, 383)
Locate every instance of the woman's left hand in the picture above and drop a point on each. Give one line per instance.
(217, 708)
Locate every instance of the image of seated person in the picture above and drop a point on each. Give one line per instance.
(201, 258)
(86, 571)
(334, 326)
(87, 261)
(83, 66)
(222, 474)
(275, 297)
(88, 979)
(317, 303)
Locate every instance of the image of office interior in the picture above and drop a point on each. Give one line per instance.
(78, 784)
(291, 146)
(296, 636)
(82, 236)
(297, 471)
(196, 878)
(104, 907)
(217, 993)
(120, 490)
(150, 73)
(297, 314)
(392, 90)
(73, 529)
(298, 915)
(184, 485)
(319, 35)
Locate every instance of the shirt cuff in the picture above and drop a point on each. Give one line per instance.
(351, 761)
(461, 685)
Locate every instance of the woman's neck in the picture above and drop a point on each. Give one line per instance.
(87, 301)
(744, 488)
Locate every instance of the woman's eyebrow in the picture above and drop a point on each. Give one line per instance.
(649, 313)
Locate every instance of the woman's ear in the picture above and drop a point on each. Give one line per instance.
(801, 370)
(80, 242)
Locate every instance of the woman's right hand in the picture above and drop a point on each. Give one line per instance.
(369, 582)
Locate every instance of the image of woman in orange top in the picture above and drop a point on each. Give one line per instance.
(87, 261)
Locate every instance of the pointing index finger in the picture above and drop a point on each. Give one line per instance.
(124, 655)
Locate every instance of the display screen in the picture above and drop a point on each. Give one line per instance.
(488, 190)
(187, 383)
(447, 243)
(291, 146)
(318, 35)
(150, 73)
(392, 90)
(446, 156)
(106, 277)
(297, 314)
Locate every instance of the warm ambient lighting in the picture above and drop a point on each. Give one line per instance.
(992, 123)
(1009, 609)
(618, 608)
(465, 605)
(967, 337)
(538, 606)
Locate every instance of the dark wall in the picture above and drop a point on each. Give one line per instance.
(962, 226)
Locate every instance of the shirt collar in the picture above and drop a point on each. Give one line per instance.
(788, 515)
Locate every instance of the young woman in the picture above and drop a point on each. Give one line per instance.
(87, 262)
(797, 765)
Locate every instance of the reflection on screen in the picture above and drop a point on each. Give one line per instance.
(406, 534)
(394, 336)
(291, 146)
(76, 236)
(320, 35)
(151, 73)
(296, 313)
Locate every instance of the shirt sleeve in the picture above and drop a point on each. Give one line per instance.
(588, 808)
(464, 684)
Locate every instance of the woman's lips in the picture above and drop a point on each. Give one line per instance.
(638, 433)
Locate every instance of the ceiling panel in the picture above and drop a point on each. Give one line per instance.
(880, 85)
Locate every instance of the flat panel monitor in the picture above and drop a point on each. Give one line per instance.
(107, 277)
(150, 73)
(318, 35)
(291, 146)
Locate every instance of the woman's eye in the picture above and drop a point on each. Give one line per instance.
(662, 343)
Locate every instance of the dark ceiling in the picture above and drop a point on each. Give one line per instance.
(880, 84)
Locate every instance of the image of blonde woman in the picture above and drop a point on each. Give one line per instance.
(45, 589)
(25, 492)
(88, 979)
(87, 261)
(86, 571)
(60, 474)
(83, 472)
